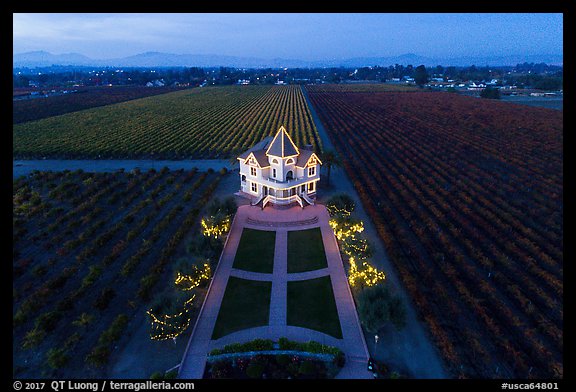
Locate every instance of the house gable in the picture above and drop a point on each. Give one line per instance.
(307, 158)
(282, 145)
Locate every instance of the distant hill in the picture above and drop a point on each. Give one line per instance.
(158, 59)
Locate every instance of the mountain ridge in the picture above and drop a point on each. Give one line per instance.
(160, 59)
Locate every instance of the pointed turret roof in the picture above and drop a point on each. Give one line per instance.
(282, 146)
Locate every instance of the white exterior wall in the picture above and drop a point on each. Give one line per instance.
(262, 175)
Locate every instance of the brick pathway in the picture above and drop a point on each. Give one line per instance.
(352, 343)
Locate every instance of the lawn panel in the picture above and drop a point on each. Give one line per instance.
(311, 304)
(256, 251)
(306, 250)
(246, 304)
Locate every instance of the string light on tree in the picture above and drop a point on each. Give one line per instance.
(189, 282)
(367, 276)
(212, 227)
(170, 326)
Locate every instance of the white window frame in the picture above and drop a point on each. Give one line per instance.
(311, 187)
(254, 187)
(253, 171)
(273, 173)
(311, 171)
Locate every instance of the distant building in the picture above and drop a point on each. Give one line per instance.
(156, 83)
(276, 171)
(476, 87)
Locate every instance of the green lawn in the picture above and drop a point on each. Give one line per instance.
(256, 251)
(246, 304)
(306, 250)
(311, 304)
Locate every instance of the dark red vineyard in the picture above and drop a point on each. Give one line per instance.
(467, 196)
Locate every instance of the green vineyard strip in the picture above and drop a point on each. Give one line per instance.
(212, 122)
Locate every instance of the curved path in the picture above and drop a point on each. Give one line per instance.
(352, 342)
(25, 167)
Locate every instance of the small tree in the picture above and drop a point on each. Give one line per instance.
(378, 306)
(57, 358)
(330, 158)
(340, 202)
(490, 93)
(420, 75)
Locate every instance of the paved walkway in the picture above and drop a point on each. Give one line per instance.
(352, 342)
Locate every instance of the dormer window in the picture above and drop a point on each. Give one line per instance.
(311, 171)
(290, 161)
(275, 161)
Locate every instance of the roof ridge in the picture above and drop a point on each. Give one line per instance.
(279, 148)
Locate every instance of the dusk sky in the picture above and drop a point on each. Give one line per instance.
(290, 36)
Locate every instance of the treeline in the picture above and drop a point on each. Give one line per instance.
(532, 75)
(539, 76)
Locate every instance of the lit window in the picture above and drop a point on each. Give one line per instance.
(253, 171)
(311, 171)
(311, 187)
(254, 187)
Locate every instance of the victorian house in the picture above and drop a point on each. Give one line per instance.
(276, 171)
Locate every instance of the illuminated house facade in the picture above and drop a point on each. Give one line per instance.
(276, 171)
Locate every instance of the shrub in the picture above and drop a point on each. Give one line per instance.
(39, 270)
(98, 356)
(221, 369)
(377, 306)
(57, 358)
(104, 298)
(146, 284)
(83, 320)
(307, 368)
(253, 345)
(490, 93)
(255, 369)
(157, 376)
(223, 171)
(282, 360)
(65, 304)
(340, 359)
(340, 201)
(72, 340)
(114, 331)
(47, 321)
(95, 272)
(33, 338)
